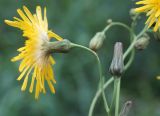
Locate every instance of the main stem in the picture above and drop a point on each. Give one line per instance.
(118, 81)
(98, 93)
(100, 75)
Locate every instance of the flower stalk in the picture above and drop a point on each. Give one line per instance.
(100, 75)
(118, 83)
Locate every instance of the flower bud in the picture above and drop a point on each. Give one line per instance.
(117, 64)
(109, 21)
(97, 41)
(142, 43)
(134, 15)
(132, 12)
(62, 46)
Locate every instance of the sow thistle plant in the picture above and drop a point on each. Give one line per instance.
(37, 61)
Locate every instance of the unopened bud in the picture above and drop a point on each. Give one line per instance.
(109, 21)
(142, 43)
(97, 41)
(62, 46)
(117, 64)
(132, 12)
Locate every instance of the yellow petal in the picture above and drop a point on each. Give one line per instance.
(52, 60)
(29, 14)
(37, 90)
(51, 34)
(23, 73)
(45, 20)
(143, 8)
(157, 13)
(51, 86)
(23, 16)
(39, 15)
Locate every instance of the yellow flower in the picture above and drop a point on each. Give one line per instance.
(34, 58)
(152, 9)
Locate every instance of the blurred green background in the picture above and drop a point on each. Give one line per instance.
(76, 72)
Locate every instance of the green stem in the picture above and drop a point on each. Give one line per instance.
(133, 42)
(98, 93)
(134, 22)
(131, 33)
(100, 74)
(118, 82)
(117, 24)
(114, 96)
(130, 60)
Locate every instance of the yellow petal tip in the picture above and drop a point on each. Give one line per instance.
(158, 77)
(13, 60)
(18, 79)
(7, 21)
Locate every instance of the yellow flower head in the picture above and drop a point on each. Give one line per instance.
(152, 8)
(34, 58)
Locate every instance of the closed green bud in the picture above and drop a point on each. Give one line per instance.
(109, 21)
(132, 12)
(117, 64)
(97, 41)
(142, 43)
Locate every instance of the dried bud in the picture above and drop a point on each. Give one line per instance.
(126, 108)
(97, 41)
(58, 46)
(142, 43)
(117, 64)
